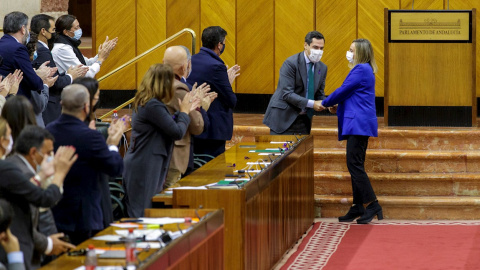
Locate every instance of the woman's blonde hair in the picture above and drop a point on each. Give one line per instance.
(364, 54)
(157, 83)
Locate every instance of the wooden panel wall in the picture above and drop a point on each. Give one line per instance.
(339, 31)
(261, 34)
(151, 30)
(117, 19)
(255, 46)
(370, 26)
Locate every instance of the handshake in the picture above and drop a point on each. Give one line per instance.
(317, 106)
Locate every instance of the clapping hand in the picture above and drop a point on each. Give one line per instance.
(333, 109)
(233, 73)
(189, 103)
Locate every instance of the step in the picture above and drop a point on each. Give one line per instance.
(402, 184)
(402, 161)
(407, 207)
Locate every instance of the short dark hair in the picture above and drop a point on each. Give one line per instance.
(212, 35)
(64, 22)
(31, 136)
(6, 215)
(40, 21)
(13, 22)
(314, 34)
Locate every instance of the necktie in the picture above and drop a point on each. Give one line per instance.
(311, 88)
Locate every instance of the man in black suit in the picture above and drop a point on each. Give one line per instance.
(44, 27)
(33, 145)
(79, 214)
(20, 192)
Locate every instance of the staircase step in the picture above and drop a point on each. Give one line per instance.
(402, 184)
(402, 161)
(407, 207)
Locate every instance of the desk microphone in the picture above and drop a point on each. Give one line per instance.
(249, 175)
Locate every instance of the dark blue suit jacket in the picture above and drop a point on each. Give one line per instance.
(356, 103)
(208, 67)
(54, 108)
(80, 207)
(15, 56)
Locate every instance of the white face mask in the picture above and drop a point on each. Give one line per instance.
(9, 147)
(350, 56)
(315, 55)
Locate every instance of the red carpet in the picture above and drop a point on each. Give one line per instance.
(400, 245)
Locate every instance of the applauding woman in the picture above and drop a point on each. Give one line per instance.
(154, 130)
(357, 121)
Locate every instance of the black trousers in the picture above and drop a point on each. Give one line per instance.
(361, 186)
(301, 126)
(209, 147)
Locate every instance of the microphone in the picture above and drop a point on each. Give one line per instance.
(249, 175)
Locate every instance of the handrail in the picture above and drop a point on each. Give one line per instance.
(138, 57)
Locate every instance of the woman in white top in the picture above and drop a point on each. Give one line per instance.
(66, 52)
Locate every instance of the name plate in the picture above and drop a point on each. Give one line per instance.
(430, 26)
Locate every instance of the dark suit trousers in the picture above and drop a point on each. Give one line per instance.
(301, 125)
(361, 186)
(209, 147)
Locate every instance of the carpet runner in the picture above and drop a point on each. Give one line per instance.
(389, 245)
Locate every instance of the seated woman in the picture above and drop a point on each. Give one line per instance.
(66, 52)
(153, 132)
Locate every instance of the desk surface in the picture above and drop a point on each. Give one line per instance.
(213, 221)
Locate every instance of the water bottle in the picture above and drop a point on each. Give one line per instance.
(114, 116)
(131, 256)
(90, 258)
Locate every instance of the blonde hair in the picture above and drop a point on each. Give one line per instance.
(157, 83)
(364, 54)
(3, 127)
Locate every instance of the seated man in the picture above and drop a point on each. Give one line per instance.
(8, 241)
(33, 145)
(79, 214)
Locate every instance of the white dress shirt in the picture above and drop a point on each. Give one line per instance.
(65, 57)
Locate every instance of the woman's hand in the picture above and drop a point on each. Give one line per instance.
(189, 103)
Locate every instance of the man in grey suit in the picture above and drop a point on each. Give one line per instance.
(300, 90)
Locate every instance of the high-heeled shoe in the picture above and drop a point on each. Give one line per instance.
(355, 211)
(372, 210)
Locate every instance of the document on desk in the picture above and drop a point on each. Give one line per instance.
(102, 268)
(161, 221)
(150, 235)
(107, 237)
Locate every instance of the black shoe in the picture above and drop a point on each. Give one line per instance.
(355, 211)
(372, 210)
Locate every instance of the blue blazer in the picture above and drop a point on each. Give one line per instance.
(208, 67)
(80, 208)
(356, 103)
(54, 108)
(15, 56)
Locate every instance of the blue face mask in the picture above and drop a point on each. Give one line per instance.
(223, 49)
(35, 55)
(77, 34)
(28, 38)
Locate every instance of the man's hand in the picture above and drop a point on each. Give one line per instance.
(77, 71)
(59, 246)
(63, 161)
(9, 242)
(233, 73)
(317, 106)
(333, 109)
(15, 81)
(208, 99)
(47, 168)
(50, 81)
(43, 71)
(3, 86)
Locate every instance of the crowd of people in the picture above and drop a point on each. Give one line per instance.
(55, 165)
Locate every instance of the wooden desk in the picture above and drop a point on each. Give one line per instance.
(199, 248)
(267, 215)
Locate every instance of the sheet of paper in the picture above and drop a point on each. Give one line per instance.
(161, 221)
(155, 245)
(150, 235)
(102, 268)
(200, 187)
(107, 237)
(124, 225)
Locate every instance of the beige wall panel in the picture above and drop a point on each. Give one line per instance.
(432, 78)
(151, 30)
(337, 21)
(116, 22)
(293, 20)
(255, 46)
(423, 4)
(221, 13)
(471, 4)
(183, 14)
(370, 26)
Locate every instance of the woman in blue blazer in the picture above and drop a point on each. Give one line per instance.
(154, 130)
(357, 121)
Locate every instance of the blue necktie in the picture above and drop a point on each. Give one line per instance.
(311, 88)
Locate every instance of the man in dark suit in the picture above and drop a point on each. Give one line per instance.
(8, 241)
(79, 214)
(208, 67)
(43, 26)
(15, 54)
(300, 89)
(32, 146)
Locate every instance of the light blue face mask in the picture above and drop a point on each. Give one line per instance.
(77, 34)
(35, 55)
(28, 38)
